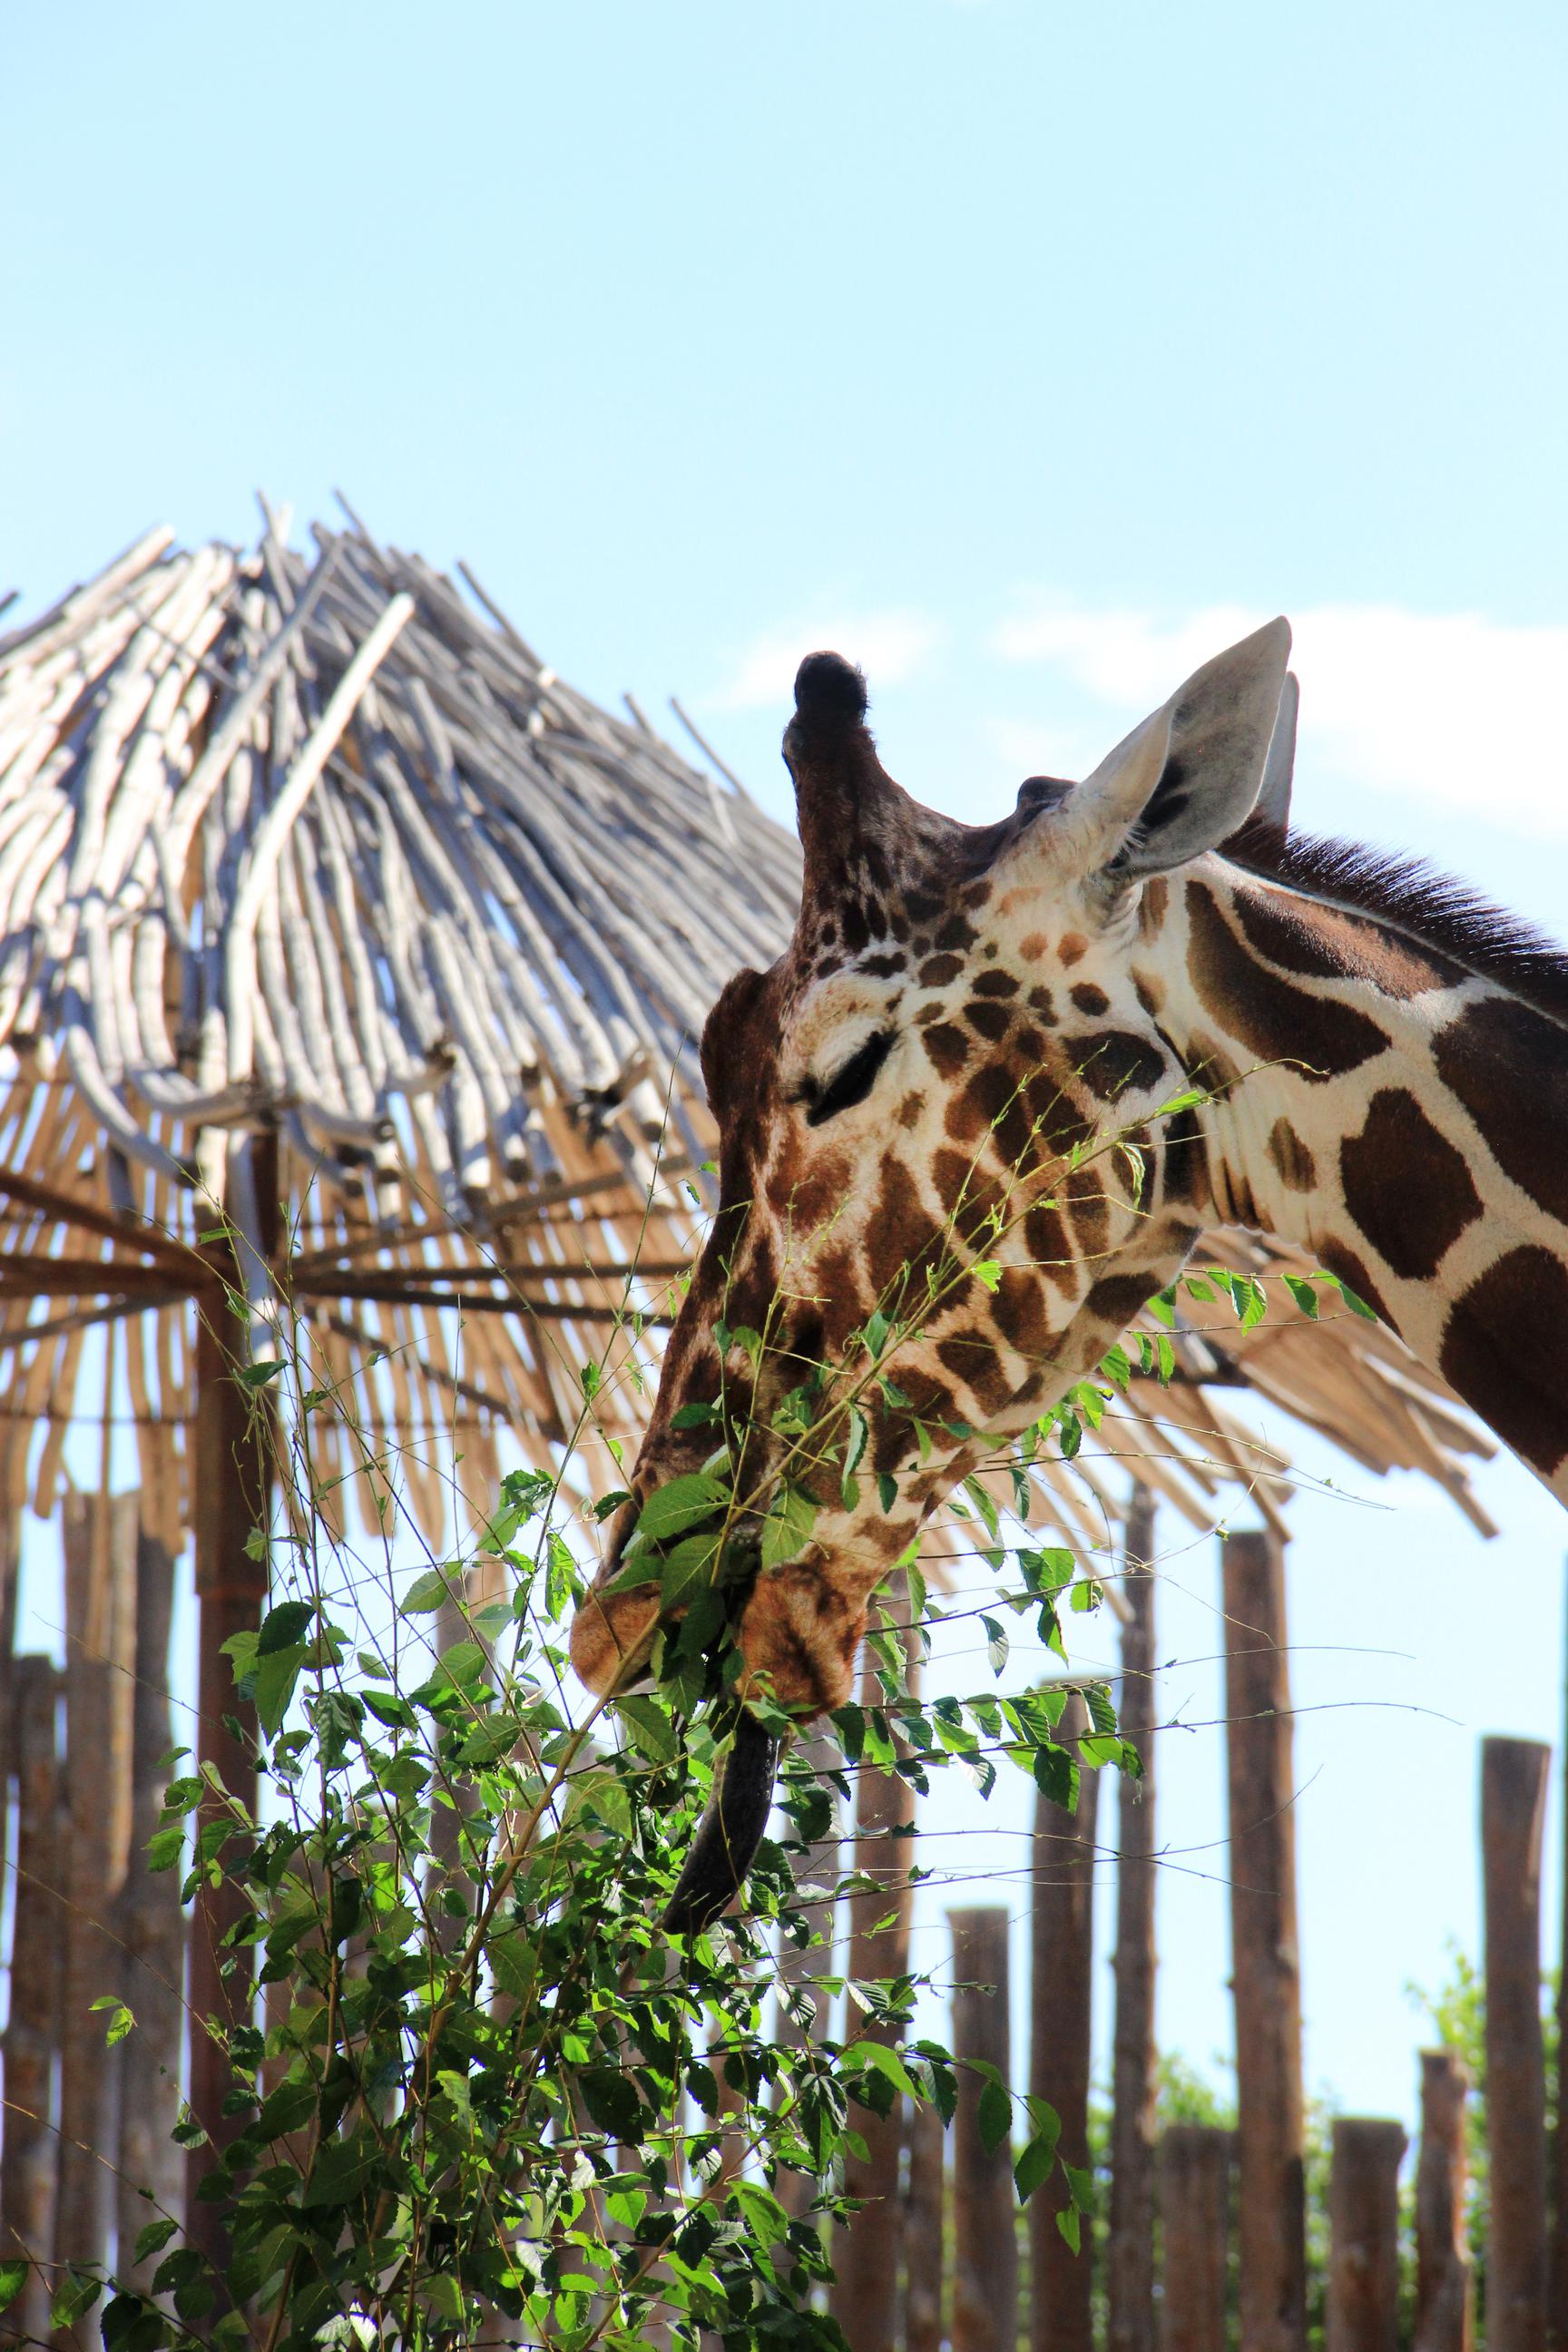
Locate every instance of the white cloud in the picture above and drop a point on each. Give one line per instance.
(1450, 707)
(889, 646)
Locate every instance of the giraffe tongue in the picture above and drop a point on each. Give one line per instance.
(729, 1834)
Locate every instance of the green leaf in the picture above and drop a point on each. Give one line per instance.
(1101, 1707)
(342, 2169)
(691, 1563)
(1081, 2185)
(1038, 2155)
(283, 1626)
(257, 1375)
(887, 1490)
(441, 2294)
(1056, 1777)
(152, 2240)
(681, 1504)
(14, 2278)
(652, 1732)
(1356, 1304)
(985, 1506)
(786, 1531)
(275, 1677)
(996, 1644)
(612, 2101)
(77, 2294)
(766, 2217)
(698, 1415)
(1068, 2222)
(879, 2059)
(995, 2117)
(120, 2022)
(986, 1270)
(426, 1594)
(1305, 1297)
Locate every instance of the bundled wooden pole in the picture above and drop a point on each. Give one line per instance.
(1364, 2234)
(1061, 1974)
(29, 2164)
(797, 1966)
(231, 1471)
(864, 2298)
(923, 2225)
(1266, 1959)
(1130, 2251)
(1194, 2219)
(985, 2252)
(1445, 2319)
(101, 1585)
(151, 1933)
(1513, 1805)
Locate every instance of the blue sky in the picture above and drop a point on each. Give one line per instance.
(1021, 349)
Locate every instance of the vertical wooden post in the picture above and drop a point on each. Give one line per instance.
(864, 2298)
(1130, 2251)
(1444, 2315)
(984, 2250)
(1363, 2235)
(28, 2166)
(152, 1934)
(923, 2225)
(1060, 2000)
(231, 1486)
(797, 1967)
(100, 1533)
(1513, 1805)
(1266, 1959)
(1195, 2221)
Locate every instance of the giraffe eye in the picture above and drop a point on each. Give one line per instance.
(852, 1084)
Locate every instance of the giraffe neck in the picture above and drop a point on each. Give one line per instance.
(1399, 1114)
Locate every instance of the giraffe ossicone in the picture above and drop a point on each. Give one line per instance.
(980, 1110)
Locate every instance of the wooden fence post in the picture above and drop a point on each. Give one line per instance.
(1444, 2315)
(30, 2167)
(1266, 1966)
(230, 1479)
(818, 1867)
(1130, 2250)
(1363, 2235)
(152, 1936)
(1061, 1978)
(984, 2250)
(923, 2222)
(864, 2298)
(1513, 1804)
(99, 1532)
(1195, 2221)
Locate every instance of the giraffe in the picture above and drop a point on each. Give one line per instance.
(1054, 1049)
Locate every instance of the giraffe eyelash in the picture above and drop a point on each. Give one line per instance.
(850, 1085)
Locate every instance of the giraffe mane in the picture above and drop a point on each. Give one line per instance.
(1413, 898)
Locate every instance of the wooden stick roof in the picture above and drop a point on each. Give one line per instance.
(315, 880)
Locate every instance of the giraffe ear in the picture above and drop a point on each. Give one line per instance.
(1273, 802)
(1191, 774)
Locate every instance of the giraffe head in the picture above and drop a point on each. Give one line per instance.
(949, 1169)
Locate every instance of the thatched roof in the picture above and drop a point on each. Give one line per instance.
(314, 857)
